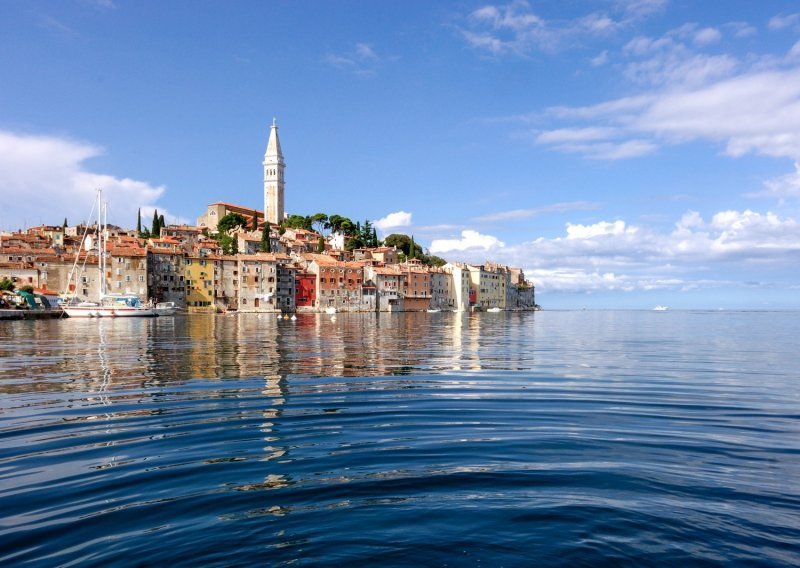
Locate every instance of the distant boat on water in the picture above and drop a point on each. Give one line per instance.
(660, 308)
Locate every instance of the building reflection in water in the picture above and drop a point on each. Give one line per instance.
(97, 355)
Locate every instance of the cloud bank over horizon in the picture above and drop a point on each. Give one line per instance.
(760, 249)
(50, 181)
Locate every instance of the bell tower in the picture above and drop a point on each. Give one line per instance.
(273, 178)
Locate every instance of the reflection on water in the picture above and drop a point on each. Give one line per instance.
(557, 438)
(93, 354)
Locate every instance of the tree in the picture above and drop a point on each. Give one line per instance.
(64, 226)
(347, 228)
(320, 221)
(375, 242)
(6, 284)
(138, 222)
(405, 244)
(229, 244)
(298, 222)
(265, 244)
(320, 245)
(402, 242)
(156, 228)
(353, 243)
(230, 221)
(161, 223)
(432, 260)
(254, 226)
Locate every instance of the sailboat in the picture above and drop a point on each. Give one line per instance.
(107, 305)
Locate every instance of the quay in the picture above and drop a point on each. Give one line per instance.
(30, 314)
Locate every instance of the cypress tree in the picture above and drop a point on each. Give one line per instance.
(412, 248)
(265, 244)
(155, 230)
(254, 226)
(64, 226)
(374, 238)
(138, 223)
(161, 223)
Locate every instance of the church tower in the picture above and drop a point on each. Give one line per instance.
(273, 178)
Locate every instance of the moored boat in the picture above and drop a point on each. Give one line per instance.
(107, 305)
(166, 308)
(110, 305)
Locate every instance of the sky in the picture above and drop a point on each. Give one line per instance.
(623, 153)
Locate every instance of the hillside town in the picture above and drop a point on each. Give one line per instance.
(250, 260)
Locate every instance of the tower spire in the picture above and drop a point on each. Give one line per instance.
(273, 177)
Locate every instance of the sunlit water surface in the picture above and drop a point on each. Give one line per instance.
(511, 439)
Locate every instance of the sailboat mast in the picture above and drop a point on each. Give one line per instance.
(101, 245)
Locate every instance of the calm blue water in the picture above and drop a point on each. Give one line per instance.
(555, 438)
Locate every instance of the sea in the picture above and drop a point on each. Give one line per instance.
(550, 438)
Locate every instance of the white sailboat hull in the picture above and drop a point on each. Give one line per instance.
(108, 312)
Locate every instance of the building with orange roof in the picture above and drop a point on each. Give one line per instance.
(216, 211)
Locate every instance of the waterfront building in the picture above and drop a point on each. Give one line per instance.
(461, 294)
(274, 183)
(165, 277)
(305, 289)
(199, 281)
(266, 282)
(489, 285)
(126, 270)
(285, 291)
(416, 288)
(226, 281)
(442, 295)
(387, 282)
(520, 292)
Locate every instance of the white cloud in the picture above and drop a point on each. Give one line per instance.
(514, 28)
(516, 214)
(616, 255)
(741, 29)
(707, 36)
(784, 21)
(561, 135)
(361, 60)
(470, 240)
(611, 150)
(600, 59)
(393, 220)
(783, 187)
(44, 179)
(600, 229)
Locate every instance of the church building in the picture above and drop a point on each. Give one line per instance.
(273, 190)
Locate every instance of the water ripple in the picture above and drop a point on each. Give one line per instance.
(570, 439)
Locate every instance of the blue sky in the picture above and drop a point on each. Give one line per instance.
(624, 153)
